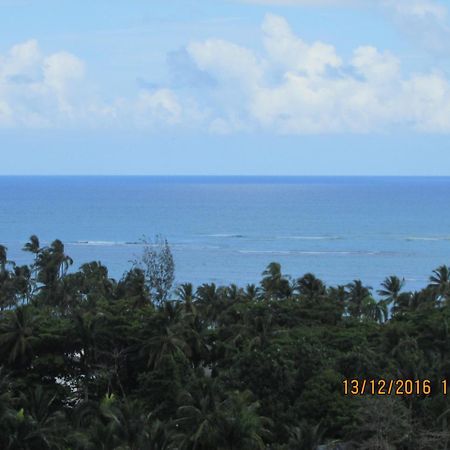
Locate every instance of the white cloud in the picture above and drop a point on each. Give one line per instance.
(318, 92)
(286, 49)
(304, 105)
(41, 91)
(425, 21)
(375, 66)
(161, 104)
(427, 102)
(5, 113)
(419, 9)
(37, 90)
(288, 86)
(61, 71)
(226, 60)
(22, 59)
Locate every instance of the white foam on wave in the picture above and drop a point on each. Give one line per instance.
(315, 253)
(311, 238)
(195, 247)
(264, 252)
(104, 243)
(226, 235)
(428, 238)
(269, 238)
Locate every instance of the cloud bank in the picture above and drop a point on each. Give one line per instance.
(290, 87)
(297, 87)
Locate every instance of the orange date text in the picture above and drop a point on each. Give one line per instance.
(407, 387)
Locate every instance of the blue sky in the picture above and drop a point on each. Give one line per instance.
(276, 87)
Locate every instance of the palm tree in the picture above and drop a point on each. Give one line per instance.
(209, 419)
(17, 336)
(95, 280)
(62, 261)
(263, 326)
(310, 287)
(133, 287)
(373, 310)
(251, 292)
(410, 301)
(391, 287)
(52, 265)
(306, 436)
(210, 300)
(426, 298)
(169, 341)
(28, 434)
(357, 293)
(40, 424)
(96, 423)
(274, 284)
(185, 292)
(207, 294)
(7, 413)
(3, 260)
(7, 282)
(33, 246)
(123, 423)
(242, 426)
(86, 338)
(52, 262)
(22, 283)
(233, 293)
(8, 285)
(199, 418)
(165, 345)
(440, 282)
(338, 293)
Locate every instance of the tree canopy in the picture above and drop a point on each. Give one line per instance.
(90, 362)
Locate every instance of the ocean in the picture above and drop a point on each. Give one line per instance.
(227, 229)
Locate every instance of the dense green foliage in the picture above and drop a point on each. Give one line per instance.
(88, 362)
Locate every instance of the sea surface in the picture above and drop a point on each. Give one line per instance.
(227, 229)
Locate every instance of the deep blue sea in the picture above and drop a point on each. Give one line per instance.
(227, 229)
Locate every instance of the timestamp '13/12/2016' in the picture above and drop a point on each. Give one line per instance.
(400, 387)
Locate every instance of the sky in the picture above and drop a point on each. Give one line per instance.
(230, 87)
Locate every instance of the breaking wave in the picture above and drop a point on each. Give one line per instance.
(318, 253)
(105, 243)
(428, 238)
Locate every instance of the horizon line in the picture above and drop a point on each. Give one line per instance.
(221, 176)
